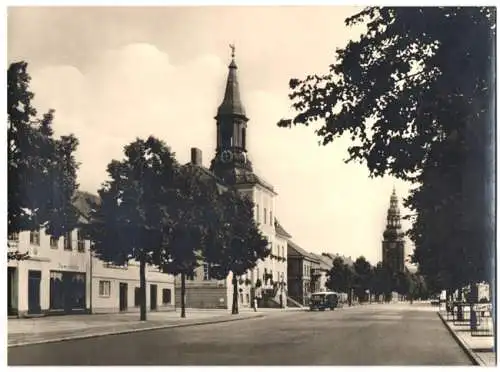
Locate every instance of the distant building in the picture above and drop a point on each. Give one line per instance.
(329, 257)
(231, 166)
(61, 276)
(303, 273)
(393, 244)
(320, 272)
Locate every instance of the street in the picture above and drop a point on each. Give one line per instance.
(393, 334)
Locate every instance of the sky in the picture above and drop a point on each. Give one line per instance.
(114, 74)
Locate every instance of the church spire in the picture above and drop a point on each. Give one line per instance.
(231, 104)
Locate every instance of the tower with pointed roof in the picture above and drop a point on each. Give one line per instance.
(232, 165)
(393, 245)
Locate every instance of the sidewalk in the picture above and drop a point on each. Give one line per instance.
(479, 348)
(66, 327)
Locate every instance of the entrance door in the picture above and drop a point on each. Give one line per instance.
(34, 278)
(123, 296)
(153, 296)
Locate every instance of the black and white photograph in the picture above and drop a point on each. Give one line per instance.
(250, 185)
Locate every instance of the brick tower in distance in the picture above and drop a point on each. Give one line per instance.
(393, 245)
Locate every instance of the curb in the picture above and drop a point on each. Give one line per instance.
(476, 360)
(110, 333)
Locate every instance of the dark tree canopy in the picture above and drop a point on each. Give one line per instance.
(414, 77)
(132, 216)
(41, 168)
(340, 278)
(363, 276)
(234, 241)
(239, 244)
(190, 208)
(416, 95)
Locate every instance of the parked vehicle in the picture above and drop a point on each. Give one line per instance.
(324, 300)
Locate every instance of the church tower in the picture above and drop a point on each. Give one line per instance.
(232, 165)
(231, 161)
(393, 245)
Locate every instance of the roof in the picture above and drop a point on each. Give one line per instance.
(324, 263)
(231, 104)
(280, 230)
(243, 176)
(83, 200)
(207, 173)
(295, 250)
(331, 256)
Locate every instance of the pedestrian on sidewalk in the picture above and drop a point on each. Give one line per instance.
(255, 304)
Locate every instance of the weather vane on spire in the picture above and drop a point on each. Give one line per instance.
(232, 49)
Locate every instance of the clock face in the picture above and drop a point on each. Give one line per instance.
(226, 156)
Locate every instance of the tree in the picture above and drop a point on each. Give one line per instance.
(415, 93)
(131, 219)
(382, 282)
(363, 277)
(41, 168)
(234, 243)
(341, 278)
(186, 234)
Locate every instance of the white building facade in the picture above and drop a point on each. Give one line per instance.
(61, 276)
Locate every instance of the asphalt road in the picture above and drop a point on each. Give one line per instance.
(364, 335)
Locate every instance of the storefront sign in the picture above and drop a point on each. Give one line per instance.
(68, 267)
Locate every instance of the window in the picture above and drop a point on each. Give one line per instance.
(80, 241)
(257, 211)
(14, 236)
(68, 246)
(35, 237)
(166, 296)
(265, 215)
(54, 242)
(104, 288)
(206, 271)
(241, 297)
(137, 296)
(248, 298)
(270, 218)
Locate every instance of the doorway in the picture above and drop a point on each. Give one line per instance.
(123, 296)
(34, 279)
(153, 296)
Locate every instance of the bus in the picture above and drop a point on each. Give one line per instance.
(324, 300)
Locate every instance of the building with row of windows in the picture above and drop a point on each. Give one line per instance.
(61, 276)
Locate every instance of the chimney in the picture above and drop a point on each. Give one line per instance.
(196, 156)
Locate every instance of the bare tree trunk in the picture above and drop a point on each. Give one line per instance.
(142, 290)
(183, 295)
(235, 295)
